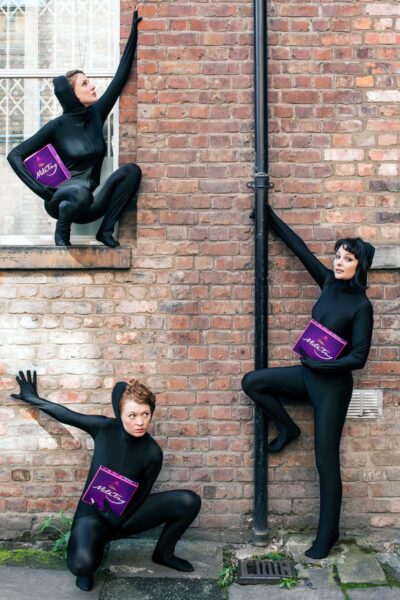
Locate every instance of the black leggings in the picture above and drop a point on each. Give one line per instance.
(330, 397)
(90, 534)
(80, 205)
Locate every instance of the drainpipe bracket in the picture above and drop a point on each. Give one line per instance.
(259, 182)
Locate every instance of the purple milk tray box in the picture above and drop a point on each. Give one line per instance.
(319, 343)
(47, 167)
(108, 484)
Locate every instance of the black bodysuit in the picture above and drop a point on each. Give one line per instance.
(344, 309)
(77, 136)
(138, 458)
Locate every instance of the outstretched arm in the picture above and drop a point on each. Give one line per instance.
(317, 270)
(104, 105)
(17, 156)
(360, 345)
(28, 393)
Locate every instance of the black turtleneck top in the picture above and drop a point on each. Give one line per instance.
(138, 458)
(77, 135)
(342, 307)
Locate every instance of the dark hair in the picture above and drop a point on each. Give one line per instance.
(139, 393)
(364, 253)
(71, 76)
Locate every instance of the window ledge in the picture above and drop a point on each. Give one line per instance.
(38, 258)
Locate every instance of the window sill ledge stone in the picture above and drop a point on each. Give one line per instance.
(39, 258)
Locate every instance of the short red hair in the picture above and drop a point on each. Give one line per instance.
(139, 393)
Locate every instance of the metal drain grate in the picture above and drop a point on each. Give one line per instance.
(264, 571)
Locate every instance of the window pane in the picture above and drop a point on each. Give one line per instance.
(57, 34)
(12, 31)
(76, 33)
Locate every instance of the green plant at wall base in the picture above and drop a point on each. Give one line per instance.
(270, 556)
(62, 526)
(289, 582)
(227, 575)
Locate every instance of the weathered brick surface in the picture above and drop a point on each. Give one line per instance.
(334, 119)
(181, 318)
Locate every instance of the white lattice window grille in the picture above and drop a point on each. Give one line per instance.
(40, 39)
(366, 404)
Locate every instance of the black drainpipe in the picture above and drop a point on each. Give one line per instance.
(261, 186)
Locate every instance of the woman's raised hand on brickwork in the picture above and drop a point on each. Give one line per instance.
(136, 19)
(27, 386)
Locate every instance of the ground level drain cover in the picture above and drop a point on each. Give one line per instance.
(264, 571)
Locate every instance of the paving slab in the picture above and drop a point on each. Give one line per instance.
(359, 567)
(316, 584)
(144, 588)
(132, 557)
(296, 545)
(21, 583)
(321, 579)
(249, 550)
(392, 560)
(270, 592)
(374, 593)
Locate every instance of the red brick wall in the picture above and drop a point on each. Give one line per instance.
(335, 122)
(181, 318)
(194, 243)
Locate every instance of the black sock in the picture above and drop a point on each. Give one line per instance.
(84, 582)
(322, 546)
(285, 435)
(107, 239)
(174, 562)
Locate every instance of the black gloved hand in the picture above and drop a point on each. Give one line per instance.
(107, 514)
(27, 386)
(51, 189)
(136, 19)
(306, 361)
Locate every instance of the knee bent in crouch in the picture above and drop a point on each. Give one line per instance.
(73, 198)
(189, 502)
(247, 382)
(82, 562)
(258, 381)
(132, 170)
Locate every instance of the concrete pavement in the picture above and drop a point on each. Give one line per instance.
(350, 573)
